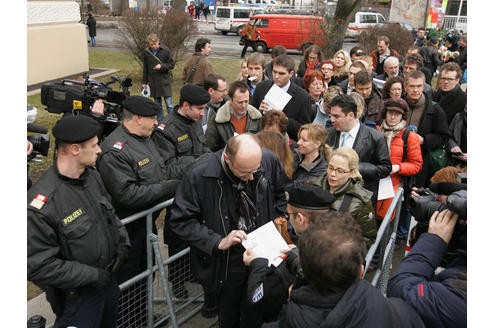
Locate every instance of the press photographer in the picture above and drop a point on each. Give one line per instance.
(440, 299)
(72, 97)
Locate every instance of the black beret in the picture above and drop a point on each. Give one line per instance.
(76, 129)
(310, 197)
(194, 94)
(140, 105)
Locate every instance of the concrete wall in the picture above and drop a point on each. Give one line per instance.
(56, 41)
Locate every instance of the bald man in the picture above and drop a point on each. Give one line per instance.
(223, 197)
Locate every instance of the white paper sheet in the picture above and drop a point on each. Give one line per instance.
(267, 242)
(277, 98)
(385, 188)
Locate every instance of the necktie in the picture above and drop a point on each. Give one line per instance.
(343, 138)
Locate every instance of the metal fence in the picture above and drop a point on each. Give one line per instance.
(150, 299)
(385, 243)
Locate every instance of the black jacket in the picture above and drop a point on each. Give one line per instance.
(362, 305)
(91, 22)
(72, 230)
(134, 172)
(158, 80)
(374, 158)
(298, 109)
(434, 129)
(303, 171)
(204, 207)
(452, 102)
(180, 141)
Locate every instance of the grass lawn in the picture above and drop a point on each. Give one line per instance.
(123, 61)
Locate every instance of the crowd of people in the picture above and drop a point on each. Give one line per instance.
(234, 158)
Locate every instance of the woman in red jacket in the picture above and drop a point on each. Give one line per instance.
(403, 165)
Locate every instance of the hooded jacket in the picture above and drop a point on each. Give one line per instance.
(220, 128)
(361, 305)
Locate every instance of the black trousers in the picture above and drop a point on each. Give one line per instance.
(88, 307)
(248, 43)
(233, 307)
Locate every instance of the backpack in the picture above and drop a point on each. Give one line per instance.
(409, 181)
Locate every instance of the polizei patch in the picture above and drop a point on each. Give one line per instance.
(258, 293)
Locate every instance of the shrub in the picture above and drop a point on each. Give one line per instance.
(400, 38)
(173, 28)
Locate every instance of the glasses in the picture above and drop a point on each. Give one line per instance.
(337, 170)
(287, 215)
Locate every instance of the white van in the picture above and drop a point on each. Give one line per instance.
(233, 19)
(363, 20)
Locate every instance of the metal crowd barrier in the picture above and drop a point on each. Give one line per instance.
(385, 242)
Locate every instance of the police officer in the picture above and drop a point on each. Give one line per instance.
(267, 288)
(180, 140)
(179, 137)
(75, 240)
(134, 174)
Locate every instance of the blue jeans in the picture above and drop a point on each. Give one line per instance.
(404, 222)
(168, 102)
(93, 41)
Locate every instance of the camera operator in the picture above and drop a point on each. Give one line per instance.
(440, 299)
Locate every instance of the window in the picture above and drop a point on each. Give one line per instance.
(223, 12)
(369, 19)
(381, 19)
(262, 23)
(241, 13)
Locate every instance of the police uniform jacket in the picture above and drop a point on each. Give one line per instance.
(362, 305)
(220, 128)
(180, 141)
(434, 297)
(72, 230)
(134, 172)
(203, 209)
(360, 208)
(158, 80)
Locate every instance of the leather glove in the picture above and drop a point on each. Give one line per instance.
(103, 279)
(122, 252)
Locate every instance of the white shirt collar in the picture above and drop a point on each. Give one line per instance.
(286, 87)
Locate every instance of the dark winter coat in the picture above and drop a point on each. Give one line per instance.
(72, 231)
(374, 158)
(160, 81)
(305, 171)
(220, 128)
(434, 297)
(452, 102)
(362, 305)
(91, 22)
(434, 129)
(298, 109)
(204, 206)
(180, 141)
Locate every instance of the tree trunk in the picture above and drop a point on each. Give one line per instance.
(337, 25)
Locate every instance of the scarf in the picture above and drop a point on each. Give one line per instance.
(391, 131)
(311, 66)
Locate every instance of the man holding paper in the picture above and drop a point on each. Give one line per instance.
(224, 196)
(283, 94)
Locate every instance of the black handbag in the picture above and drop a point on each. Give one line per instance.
(242, 41)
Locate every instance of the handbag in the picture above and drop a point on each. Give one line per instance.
(242, 41)
(437, 159)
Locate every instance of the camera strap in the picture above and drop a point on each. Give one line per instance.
(193, 69)
(152, 54)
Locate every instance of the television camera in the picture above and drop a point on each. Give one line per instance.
(74, 97)
(41, 138)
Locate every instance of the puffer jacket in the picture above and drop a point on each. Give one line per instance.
(414, 159)
(360, 207)
(220, 128)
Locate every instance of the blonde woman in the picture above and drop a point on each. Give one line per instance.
(244, 73)
(342, 62)
(343, 180)
(310, 156)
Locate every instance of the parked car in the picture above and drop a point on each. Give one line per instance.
(363, 20)
(291, 31)
(232, 19)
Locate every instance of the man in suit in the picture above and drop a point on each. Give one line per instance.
(347, 131)
(298, 109)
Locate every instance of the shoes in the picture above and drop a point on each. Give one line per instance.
(180, 291)
(209, 313)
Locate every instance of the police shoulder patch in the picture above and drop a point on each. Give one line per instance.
(258, 293)
(38, 201)
(161, 126)
(118, 145)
